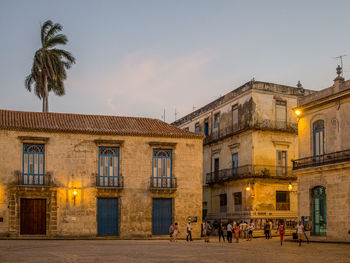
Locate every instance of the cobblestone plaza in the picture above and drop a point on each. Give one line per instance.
(258, 250)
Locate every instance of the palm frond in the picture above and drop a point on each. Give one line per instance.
(44, 28)
(59, 39)
(52, 31)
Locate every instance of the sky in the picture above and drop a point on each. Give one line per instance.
(141, 57)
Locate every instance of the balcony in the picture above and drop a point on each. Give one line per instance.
(110, 181)
(271, 125)
(163, 183)
(33, 179)
(250, 171)
(324, 159)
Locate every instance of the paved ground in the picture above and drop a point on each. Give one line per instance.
(258, 250)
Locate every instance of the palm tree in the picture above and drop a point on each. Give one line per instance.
(50, 64)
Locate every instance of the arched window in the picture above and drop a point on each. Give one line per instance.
(319, 211)
(318, 137)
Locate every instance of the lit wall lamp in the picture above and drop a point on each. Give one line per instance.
(290, 188)
(249, 187)
(75, 193)
(298, 112)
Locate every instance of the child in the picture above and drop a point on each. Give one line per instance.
(237, 233)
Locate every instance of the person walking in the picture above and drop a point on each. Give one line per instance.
(281, 229)
(189, 231)
(271, 226)
(237, 233)
(208, 229)
(250, 230)
(229, 232)
(241, 229)
(300, 230)
(267, 230)
(221, 232)
(245, 229)
(171, 232)
(176, 232)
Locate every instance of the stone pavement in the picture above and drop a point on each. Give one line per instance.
(258, 250)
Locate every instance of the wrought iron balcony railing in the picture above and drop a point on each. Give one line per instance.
(163, 182)
(32, 179)
(324, 159)
(250, 171)
(110, 181)
(284, 126)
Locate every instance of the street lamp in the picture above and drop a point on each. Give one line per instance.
(75, 192)
(297, 112)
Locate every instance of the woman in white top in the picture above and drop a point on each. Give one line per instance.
(300, 230)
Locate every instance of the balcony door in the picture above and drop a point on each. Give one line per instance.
(234, 163)
(318, 137)
(319, 211)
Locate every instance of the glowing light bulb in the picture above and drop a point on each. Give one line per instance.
(298, 112)
(75, 192)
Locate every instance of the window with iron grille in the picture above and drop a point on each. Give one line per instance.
(33, 164)
(223, 203)
(237, 199)
(197, 128)
(162, 168)
(108, 172)
(282, 200)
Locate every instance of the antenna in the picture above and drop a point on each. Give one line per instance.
(163, 116)
(341, 62)
(193, 108)
(175, 114)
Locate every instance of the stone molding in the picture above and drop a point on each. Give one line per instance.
(33, 139)
(100, 142)
(162, 144)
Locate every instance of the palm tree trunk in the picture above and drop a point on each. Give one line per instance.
(46, 95)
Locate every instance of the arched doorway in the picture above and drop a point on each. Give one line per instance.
(319, 211)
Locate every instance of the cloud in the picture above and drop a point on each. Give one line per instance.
(142, 85)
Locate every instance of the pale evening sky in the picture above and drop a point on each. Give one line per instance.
(136, 58)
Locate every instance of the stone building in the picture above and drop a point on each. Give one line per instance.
(70, 175)
(251, 138)
(323, 169)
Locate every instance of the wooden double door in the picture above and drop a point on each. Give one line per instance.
(33, 217)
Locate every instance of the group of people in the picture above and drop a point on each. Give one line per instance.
(241, 230)
(174, 231)
(234, 229)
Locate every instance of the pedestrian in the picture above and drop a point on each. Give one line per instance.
(176, 232)
(189, 231)
(250, 230)
(245, 229)
(281, 229)
(271, 226)
(229, 232)
(171, 232)
(208, 229)
(221, 232)
(300, 230)
(267, 230)
(241, 229)
(237, 233)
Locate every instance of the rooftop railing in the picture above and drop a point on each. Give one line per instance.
(250, 171)
(283, 126)
(324, 159)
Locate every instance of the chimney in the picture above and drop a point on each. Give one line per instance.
(339, 80)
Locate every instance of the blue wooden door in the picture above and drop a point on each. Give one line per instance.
(162, 215)
(107, 216)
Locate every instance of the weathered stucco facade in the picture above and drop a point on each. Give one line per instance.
(324, 168)
(251, 139)
(71, 189)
